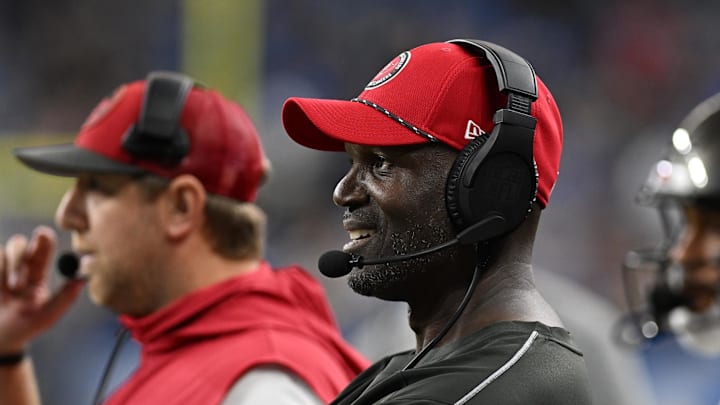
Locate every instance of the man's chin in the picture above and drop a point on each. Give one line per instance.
(382, 283)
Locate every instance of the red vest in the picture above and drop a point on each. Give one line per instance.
(196, 348)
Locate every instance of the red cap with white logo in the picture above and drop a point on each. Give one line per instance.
(438, 90)
(225, 152)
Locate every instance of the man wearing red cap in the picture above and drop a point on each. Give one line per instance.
(167, 235)
(454, 149)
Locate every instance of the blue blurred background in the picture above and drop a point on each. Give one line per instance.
(624, 73)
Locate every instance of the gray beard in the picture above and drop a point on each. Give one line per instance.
(384, 280)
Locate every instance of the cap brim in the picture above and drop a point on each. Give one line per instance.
(328, 124)
(69, 160)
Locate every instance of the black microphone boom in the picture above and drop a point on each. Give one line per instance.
(68, 265)
(337, 264)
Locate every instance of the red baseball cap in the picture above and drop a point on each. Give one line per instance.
(438, 90)
(225, 152)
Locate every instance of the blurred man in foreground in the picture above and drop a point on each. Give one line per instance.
(163, 221)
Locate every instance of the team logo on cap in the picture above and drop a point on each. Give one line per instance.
(104, 107)
(389, 71)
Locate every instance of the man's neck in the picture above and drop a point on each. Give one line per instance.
(504, 294)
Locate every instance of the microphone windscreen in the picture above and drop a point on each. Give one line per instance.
(335, 263)
(68, 265)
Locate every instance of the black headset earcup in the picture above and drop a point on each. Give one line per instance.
(495, 188)
(453, 182)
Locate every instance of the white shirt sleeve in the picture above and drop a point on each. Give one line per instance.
(270, 385)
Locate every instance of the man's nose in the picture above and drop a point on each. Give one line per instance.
(70, 214)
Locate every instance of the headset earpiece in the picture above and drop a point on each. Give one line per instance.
(455, 178)
(494, 179)
(157, 135)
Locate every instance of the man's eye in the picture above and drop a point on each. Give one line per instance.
(100, 186)
(93, 184)
(380, 162)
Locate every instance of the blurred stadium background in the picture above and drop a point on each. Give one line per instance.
(624, 72)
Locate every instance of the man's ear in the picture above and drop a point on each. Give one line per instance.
(183, 206)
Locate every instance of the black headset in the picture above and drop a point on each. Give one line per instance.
(157, 135)
(494, 178)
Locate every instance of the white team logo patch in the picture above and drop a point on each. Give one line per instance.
(389, 71)
(473, 130)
